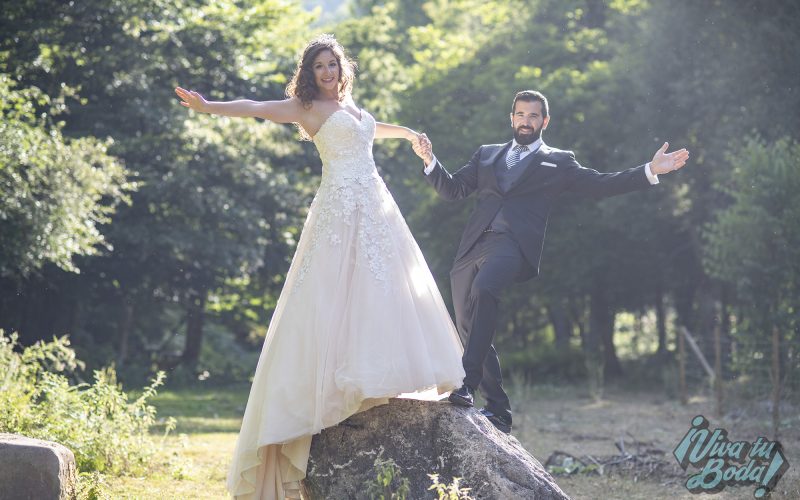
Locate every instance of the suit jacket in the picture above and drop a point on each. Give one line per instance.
(526, 205)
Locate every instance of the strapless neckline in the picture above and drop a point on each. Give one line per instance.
(358, 120)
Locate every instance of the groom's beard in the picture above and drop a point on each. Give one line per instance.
(529, 135)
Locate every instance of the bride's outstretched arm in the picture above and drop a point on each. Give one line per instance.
(387, 131)
(285, 111)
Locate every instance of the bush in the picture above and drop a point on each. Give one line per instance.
(105, 431)
(388, 484)
(545, 363)
(452, 491)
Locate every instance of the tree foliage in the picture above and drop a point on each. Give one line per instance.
(209, 231)
(754, 245)
(55, 192)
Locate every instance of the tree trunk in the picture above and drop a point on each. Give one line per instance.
(661, 325)
(683, 299)
(125, 331)
(612, 366)
(25, 327)
(682, 366)
(718, 389)
(195, 318)
(775, 377)
(592, 354)
(727, 339)
(561, 325)
(705, 318)
(601, 332)
(577, 315)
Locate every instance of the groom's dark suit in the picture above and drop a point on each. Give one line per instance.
(503, 240)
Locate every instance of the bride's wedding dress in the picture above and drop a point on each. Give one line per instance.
(359, 320)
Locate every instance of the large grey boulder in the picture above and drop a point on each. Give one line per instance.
(425, 437)
(31, 469)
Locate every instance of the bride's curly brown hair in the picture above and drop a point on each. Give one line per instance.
(304, 86)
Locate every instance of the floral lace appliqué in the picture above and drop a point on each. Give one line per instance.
(351, 193)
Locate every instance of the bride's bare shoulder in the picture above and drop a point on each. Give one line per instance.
(313, 115)
(317, 111)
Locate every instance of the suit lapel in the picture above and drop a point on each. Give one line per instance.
(493, 157)
(531, 164)
(489, 163)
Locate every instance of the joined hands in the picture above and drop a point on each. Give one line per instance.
(422, 147)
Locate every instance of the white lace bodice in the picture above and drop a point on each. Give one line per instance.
(352, 197)
(345, 145)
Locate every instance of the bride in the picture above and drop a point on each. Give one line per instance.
(359, 319)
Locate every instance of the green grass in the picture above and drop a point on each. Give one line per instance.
(194, 463)
(199, 411)
(195, 459)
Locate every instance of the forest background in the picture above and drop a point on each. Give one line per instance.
(159, 239)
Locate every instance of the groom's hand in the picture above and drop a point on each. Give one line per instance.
(664, 162)
(423, 147)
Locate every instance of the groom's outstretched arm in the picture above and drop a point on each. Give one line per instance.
(449, 186)
(591, 182)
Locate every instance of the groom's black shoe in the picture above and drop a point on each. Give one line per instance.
(502, 424)
(463, 396)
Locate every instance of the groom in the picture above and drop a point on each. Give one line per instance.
(516, 184)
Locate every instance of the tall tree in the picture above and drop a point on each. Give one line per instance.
(216, 195)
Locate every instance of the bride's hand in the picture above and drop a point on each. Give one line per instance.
(422, 146)
(191, 99)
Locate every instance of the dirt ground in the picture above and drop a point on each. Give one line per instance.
(564, 418)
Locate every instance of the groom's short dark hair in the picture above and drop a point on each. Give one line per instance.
(531, 96)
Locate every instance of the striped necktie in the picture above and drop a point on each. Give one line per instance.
(513, 158)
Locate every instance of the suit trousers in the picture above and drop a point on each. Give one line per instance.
(477, 280)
